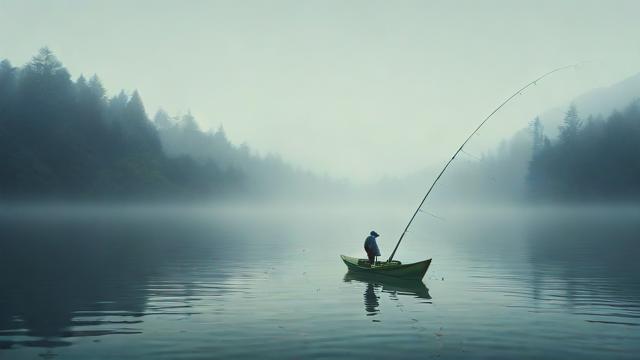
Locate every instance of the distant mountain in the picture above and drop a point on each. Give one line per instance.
(601, 101)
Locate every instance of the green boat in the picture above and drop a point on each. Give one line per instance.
(392, 268)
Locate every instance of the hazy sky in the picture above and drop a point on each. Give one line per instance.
(359, 89)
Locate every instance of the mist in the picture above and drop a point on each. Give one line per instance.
(280, 179)
(370, 81)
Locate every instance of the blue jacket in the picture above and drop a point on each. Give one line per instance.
(371, 245)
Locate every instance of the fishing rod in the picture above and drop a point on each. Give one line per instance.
(519, 92)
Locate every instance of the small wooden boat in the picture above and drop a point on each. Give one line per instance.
(393, 268)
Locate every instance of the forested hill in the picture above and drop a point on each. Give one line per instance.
(263, 175)
(592, 159)
(62, 139)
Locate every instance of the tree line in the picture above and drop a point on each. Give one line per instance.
(592, 159)
(61, 138)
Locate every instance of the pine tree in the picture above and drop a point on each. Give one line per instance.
(571, 125)
(45, 63)
(189, 124)
(162, 120)
(96, 88)
(537, 134)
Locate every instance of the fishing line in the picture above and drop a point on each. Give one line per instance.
(519, 92)
(434, 215)
(471, 155)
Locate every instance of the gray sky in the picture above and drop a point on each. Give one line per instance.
(358, 89)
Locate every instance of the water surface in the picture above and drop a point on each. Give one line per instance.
(165, 283)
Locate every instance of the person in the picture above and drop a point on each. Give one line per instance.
(371, 247)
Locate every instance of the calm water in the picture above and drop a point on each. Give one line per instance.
(168, 283)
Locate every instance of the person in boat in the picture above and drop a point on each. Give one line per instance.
(371, 247)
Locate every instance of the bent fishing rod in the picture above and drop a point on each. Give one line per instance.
(519, 92)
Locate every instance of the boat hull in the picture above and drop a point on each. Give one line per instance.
(394, 269)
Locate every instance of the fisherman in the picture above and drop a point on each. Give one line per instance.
(371, 247)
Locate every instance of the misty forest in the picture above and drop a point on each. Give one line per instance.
(592, 159)
(319, 180)
(66, 139)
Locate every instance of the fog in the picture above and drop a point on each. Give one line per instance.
(180, 178)
(360, 90)
(106, 281)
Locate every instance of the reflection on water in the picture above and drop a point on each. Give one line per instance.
(589, 263)
(93, 277)
(192, 284)
(371, 300)
(378, 285)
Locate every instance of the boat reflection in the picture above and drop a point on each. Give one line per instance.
(380, 284)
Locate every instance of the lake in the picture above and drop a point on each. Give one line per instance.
(184, 282)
